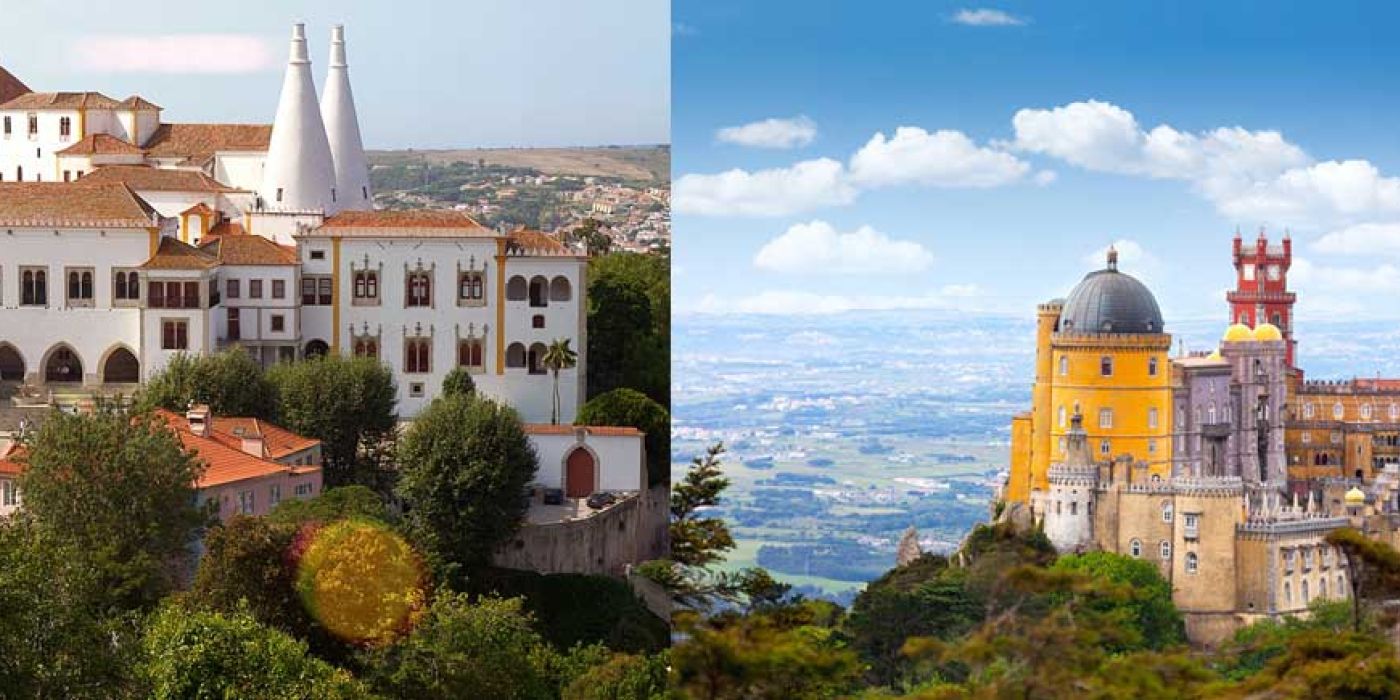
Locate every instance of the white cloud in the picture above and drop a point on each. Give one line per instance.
(175, 53)
(1362, 239)
(940, 159)
(818, 248)
(984, 17)
(771, 133)
(807, 185)
(1045, 177)
(1247, 175)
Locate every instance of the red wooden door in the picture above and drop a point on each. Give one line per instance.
(579, 474)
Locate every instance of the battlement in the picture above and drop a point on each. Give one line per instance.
(1339, 387)
(1151, 341)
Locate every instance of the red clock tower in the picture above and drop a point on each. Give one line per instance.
(1261, 287)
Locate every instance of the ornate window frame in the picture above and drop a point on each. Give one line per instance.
(410, 272)
(371, 292)
(472, 337)
(473, 280)
(413, 341)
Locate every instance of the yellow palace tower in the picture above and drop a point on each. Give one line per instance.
(1101, 354)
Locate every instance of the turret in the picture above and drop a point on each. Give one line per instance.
(343, 131)
(299, 174)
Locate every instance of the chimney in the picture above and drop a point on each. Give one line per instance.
(343, 131)
(298, 174)
(253, 442)
(199, 418)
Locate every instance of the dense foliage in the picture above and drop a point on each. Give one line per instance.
(465, 466)
(629, 325)
(346, 403)
(231, 382)
(633, 408)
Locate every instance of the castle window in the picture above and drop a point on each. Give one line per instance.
(1151, 417)
(1366, 411)
(1074, 507)
(418, 289)
(65, 128)
(1322, 588)
(471, 286)
(1106, 366)
(1151, 366)
(1341, 586)
(1135, 548)
(1062, 416)
(316, 290)
(279, 323)
(1166, 511)
(366, 347)
(1191, 524)
(80, 287)
(1307, 438)
(1307, 410)
(1277, 320)
(1287, 593)
(1064, 365)
(366, 285)
(1057, 507)
(34, 287)
(1193, 563)
(1336, 437)
(126, 286)
(1165, 549)
(1394, 411)
(1105, 418)
(175, 335)
(537, 321)
(1338, 411)
(418, 356)
(1210, 413)
(1104, 448)
(1062, 445)
(1307, 559)
(539, 292)
(1274, 275)
(1305, 592)
(1249, 271)
(470, 354)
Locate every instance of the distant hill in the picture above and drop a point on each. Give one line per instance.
(629, 162)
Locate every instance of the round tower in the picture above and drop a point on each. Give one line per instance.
(1069, 503)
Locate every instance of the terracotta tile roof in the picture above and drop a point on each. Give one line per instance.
(101, 144)
(225, 460)
(73, 205)
(1378, 384)
(226, 228)
(199, 142)
(61, 100)
(200, 208)
(278, 441)
(10, 86)
(243, 249)
(12, 460)
(172, 254)
(139, 102)
(145, 177)
(532, 242)
(599, 430)
(414, 222)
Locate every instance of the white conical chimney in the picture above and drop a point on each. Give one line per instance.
(298, 174)
(343, 130)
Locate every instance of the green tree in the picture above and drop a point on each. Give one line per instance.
(463, 650)
(622, 677)
(633, 408)
(212, 655)
(59, 637)
(118, 492)
(347, 404)
(590, 234)
(231, 382)
(340, 503)
(465, 467)
(458, 381)
(697, 540)
(1150, 603)
(558, 356)
(629, 325)
(1373, 569)
(245, 569)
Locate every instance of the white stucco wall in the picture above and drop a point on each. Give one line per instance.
(620, 458)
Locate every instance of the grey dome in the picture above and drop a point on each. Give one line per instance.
(1108, 301)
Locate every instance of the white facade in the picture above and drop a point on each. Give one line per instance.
(618, 456)
(299, 174)
(343, 131)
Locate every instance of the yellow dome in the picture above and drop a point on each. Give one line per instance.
(1238, 332)
(1214, 355)
(1355, 496)
(1267, 331)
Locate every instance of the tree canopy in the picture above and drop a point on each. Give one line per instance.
(346, 403)
(231, 382)
(633, 408)
(629, 325)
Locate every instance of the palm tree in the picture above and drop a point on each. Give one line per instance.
(556, 357)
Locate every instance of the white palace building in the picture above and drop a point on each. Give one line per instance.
(125, 239)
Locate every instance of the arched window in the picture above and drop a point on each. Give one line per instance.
(517, 289)
(1062, 416)
(1210, 413)
(515, 355)
(536, 358)
(1306, 597)
(1106, 366)
(1064, 365)
(1193, 563)
(1307, 410)
(1366, 411)
(1152, 366)
(471, 286)
(1166, 511)
(1165, 549)
(1152, 417)
(1135, 547)
(366, 347)
(366, 285)
(539, 292)
(560, 289)
(419, 289)
(1337, 410)
(1287, 593)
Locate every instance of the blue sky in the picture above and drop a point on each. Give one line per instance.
(425, 73)
(971, 156)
